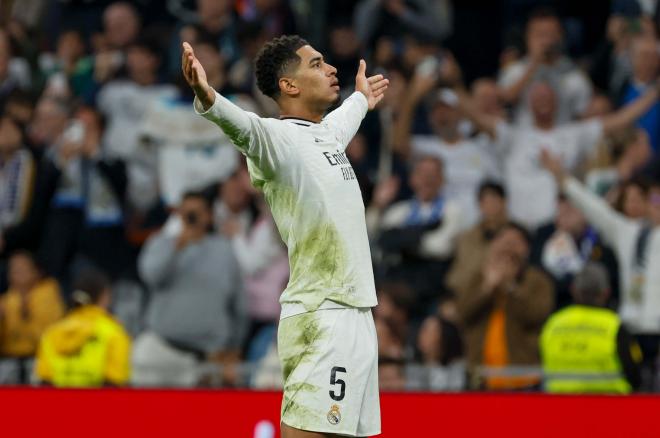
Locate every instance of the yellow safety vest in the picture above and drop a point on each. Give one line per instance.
(579, 352)
(92, 363)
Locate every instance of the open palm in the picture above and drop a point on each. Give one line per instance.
(372, 87)
(196, 76)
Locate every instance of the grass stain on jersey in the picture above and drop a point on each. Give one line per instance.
(296, 415)
(298, 334)
(319, 257)
(298, 344)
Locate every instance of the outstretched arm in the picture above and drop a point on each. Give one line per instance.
(484, 122)
(628, 114)
(196, 77)
(420, 85)
(244, 129)
(346, 119)
(598, 213)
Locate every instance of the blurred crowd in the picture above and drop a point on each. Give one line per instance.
(511, 179)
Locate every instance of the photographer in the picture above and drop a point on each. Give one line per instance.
(197, 311)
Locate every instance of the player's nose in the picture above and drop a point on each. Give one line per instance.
(331, 70)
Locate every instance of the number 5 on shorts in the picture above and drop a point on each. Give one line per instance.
(335, 381)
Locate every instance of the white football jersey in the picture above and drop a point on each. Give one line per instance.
(314, 196)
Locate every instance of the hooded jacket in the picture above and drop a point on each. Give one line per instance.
(88, 348)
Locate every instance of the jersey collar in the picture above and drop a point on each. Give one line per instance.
(298, 121)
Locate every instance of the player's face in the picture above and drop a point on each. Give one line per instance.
(316, 79)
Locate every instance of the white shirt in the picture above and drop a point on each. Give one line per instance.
(125, 103)
(438, 243)
(532, 191)
(639, 308)
(314, 197)
(192, 153)
(573, 88)
(467, 164)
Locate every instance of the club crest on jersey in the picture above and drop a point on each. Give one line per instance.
(334, 416)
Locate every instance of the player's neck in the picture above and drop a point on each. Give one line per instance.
(296, 110)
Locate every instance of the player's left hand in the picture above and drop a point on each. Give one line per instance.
(373, 87)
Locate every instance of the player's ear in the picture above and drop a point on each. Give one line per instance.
(288, 87)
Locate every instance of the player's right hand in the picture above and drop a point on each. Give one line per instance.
(195, 75)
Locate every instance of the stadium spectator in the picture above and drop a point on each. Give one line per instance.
(344, 53)
(121, 25)
(26, 188)
(51, 118)
(426, 19)
(584, 347)
(121, 28)
(68, 71)
(124, 102)
(610, 64)
(637, 246)
(532, 191)
(416, 235)
(14, 71)
(17, 176)
(391, 345)
(391, 355)
(276, 15)
(391, 375)
(467, 162)
(645, 65)
(563, 247)
(250, 37)
(501, 308)
(632, 198)
(629, 153)
(472, 245)
(234, 210)
(486, 98)
(545, 61)
(197, 309)
(88, 348)
(440, 350)
(20, 106)
(192, 153)
(31, 305)
(85, 222)
(122, 59)
(395, 303)
(213, 21)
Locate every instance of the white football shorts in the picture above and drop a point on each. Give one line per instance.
(330, 364)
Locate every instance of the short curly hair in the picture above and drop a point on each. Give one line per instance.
(274, 59)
